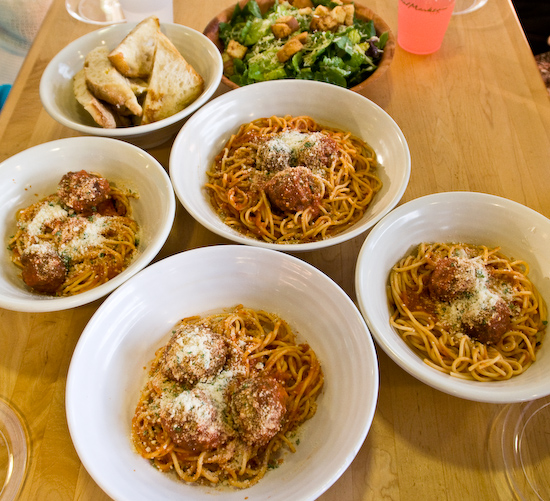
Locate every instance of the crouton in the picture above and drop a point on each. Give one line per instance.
(280, 30)
(338, 14)
(300, 4)
(328, 20)
(290, 48)
(293, 23)
(290, 21)
(235, 49)
(350, 12)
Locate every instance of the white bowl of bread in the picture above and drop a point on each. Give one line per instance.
(137, 82)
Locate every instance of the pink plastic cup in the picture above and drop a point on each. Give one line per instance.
(422, 24)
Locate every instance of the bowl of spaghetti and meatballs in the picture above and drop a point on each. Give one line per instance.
(285, 173)
(77, 221)
(214, 387)
(455, 287)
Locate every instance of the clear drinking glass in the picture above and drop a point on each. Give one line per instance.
(15, 447)
(105, 12)
(467, 6)
(519, 446)
(100, 12)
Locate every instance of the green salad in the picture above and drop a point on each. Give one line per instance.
(324, 42)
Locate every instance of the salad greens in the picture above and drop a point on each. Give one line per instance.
(344, 56)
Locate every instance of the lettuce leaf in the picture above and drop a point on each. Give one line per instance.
(345, 57)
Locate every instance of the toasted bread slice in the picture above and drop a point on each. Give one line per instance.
(173, 85)
(107, 84)
(101, 113)
(134, 56)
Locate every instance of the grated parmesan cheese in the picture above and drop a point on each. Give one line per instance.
(89, 236)
(203, 407)
(85, 232)
(292, 148)
(197, 344)
(217, 388)
(480, 298)
(49, 212)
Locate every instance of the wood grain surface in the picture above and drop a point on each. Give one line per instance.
(476, 115)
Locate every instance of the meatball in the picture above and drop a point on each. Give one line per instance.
(488, 325)
(43, 268)
(195, 353)
(273, 155)
(318, 153)
(83, 191)
(294, 148)
(194, 421)
(111, 208)
(258, 407)
(452, 278)
(295, 189)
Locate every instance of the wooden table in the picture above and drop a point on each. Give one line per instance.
(477, 117)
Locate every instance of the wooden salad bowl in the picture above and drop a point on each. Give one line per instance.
(361, 12)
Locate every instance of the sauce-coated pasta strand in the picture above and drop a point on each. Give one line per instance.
(290, 179)
(260, 345)
(468, 310)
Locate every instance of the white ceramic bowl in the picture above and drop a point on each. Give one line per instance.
(56, 84)
(107, 369)
(35, 173)
(206, 133)
(455, 217)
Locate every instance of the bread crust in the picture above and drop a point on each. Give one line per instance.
(134, 56)
(101, 114)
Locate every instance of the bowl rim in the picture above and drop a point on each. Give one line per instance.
(51, 303)
(266, 88)
(138, 130)
(212, 31)
(468, 390)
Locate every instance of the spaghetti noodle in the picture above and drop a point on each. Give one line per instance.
(289, 179)
(75, 239)
(224, 396)
(470, 311)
